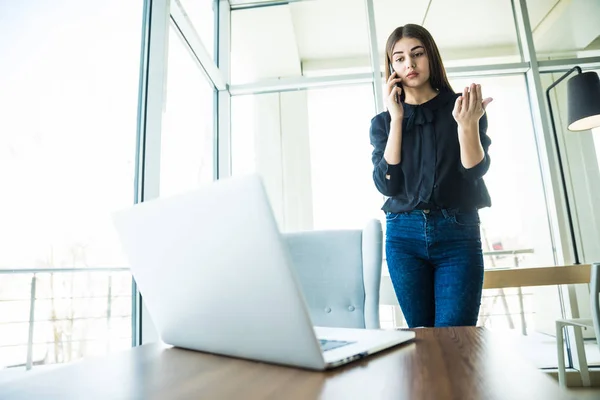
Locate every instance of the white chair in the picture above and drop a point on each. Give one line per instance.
(340, 273)
(578, 324)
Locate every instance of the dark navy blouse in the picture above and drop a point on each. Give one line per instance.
(430, 174)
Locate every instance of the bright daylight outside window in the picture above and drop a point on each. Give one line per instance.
(69, 104)
(202, 16)
(187, 129)
(297, 133)
(338, 118)
(514, 233)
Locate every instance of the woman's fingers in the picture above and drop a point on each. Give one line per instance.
(392, 77)
(458, 105)
(392, 81)
(393, 95)
(470, 106)
(486, 102)
(473, 103)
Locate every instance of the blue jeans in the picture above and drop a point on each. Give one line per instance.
(436, 265)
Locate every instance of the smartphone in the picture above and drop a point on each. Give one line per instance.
(399, 84)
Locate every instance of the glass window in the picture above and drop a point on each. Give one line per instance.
(243, 153)
(514, 222)
(67, 161)
(269, 136)
(579, 152)
(187, 137)
(298, 141)
(565, 29)
(580, 161)
(202, 15)
(463, 29)
(515, 230)
(510, 224)
(299, 38)
(338, 121)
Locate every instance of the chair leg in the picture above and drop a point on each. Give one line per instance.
(560, 351)
(581, 358)
(522, 312)
(511, 324)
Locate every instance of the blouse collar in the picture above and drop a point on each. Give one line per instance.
(423, 113)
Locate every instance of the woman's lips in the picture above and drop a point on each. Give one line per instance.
(412, 75)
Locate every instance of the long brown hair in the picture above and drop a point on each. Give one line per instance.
(437, 73)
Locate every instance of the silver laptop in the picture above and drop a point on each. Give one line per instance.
(216, 276)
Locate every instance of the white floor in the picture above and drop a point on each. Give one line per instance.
(11, 374)
(540, 349)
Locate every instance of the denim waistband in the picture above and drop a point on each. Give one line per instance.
(446, 212)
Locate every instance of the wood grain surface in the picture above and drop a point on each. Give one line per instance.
(441, 363)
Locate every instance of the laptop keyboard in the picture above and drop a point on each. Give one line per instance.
(327, 345)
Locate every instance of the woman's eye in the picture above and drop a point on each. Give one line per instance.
(418, 54)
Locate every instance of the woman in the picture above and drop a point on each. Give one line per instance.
(430, 154)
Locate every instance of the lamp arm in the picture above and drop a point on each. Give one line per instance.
(560, 164)
(562, 78)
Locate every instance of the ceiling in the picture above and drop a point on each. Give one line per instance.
(283, 40)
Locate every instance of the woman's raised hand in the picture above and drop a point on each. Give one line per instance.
(470, 106)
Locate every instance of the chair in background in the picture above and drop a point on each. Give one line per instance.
(578, 324)
(339, 272)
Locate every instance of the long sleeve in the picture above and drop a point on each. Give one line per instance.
(479, 170)
(388, 178)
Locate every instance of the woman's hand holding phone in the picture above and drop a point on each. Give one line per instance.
(394, 89)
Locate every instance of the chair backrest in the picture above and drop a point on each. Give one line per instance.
(595, 298)
(340, 274)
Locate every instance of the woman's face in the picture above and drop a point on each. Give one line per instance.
(410, 61)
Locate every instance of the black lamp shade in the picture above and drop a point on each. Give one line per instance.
(583, 92)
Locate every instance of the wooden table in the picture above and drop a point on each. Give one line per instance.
(442, 363)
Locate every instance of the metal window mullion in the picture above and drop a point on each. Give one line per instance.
(374, 55)
(539, 115)
(298, 83)
(488, 70)
(263, 4)
(185, 26)
(563, 65)
(152, 97)
(223, 97)
(543, 135)
(139, 155)
(153, 80)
